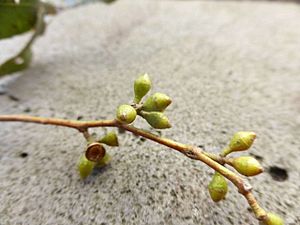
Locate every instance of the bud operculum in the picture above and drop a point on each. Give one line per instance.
(126, 114)
(156, 119)
(157, 102)
(110, 139)
(247, 165)
(218, 187)
(141, 87)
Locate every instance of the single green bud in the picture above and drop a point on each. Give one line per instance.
(157, 102)
(95, 152)
(272, 219)
(85, 167)
(218, 187)
(126, 114)
(141, 87)
(240, 141)
(156, 119)
(104, 161)
(110, 139)
(247, 165)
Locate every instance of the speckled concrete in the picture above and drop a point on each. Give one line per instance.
(228, 66)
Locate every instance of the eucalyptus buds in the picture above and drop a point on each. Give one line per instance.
(85, 167)
(157, 102)
(95, 155)
(218, 187)
(272, 219)
(247, 165)
(156, 119)
(141, 87)
(110, 139)
(240, 141)
(126, 114)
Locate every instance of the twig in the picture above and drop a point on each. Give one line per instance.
(213, 161)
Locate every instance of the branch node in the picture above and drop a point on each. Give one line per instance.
(247, 185)
(190, 154)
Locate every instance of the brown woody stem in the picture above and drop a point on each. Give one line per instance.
(213, 161)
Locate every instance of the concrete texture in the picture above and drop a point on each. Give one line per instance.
(228, 66)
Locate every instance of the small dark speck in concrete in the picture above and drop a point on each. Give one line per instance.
(230, 72)
(121, 130)
(158, 132)
(277, 173)
(258, 157)
(79, 117)
(27, 110)
(201, 146)
(23, 154)
(13, 98)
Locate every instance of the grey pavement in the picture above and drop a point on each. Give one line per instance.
(228, 66)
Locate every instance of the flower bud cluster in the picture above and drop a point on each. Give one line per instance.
(245, 165)
(154, 106)
(95, 154)
(152, 110)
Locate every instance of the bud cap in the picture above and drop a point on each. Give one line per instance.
(218, 187)
(157, 102)
(126, 114)
(247, 165)
(141, 87)
(156, 119)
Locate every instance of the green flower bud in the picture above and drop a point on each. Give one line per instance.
(110, 139)
(156, 119)
(141, 87)
(85, 167)
(95, 152)
(272, 219)
(126, 114)
(240, 141)
(104, 161)
(157, 102)
(247, 165)
(218, 187)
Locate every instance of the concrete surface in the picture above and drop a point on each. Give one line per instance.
(228, 66)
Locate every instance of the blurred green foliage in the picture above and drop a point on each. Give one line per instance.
(17, 17)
